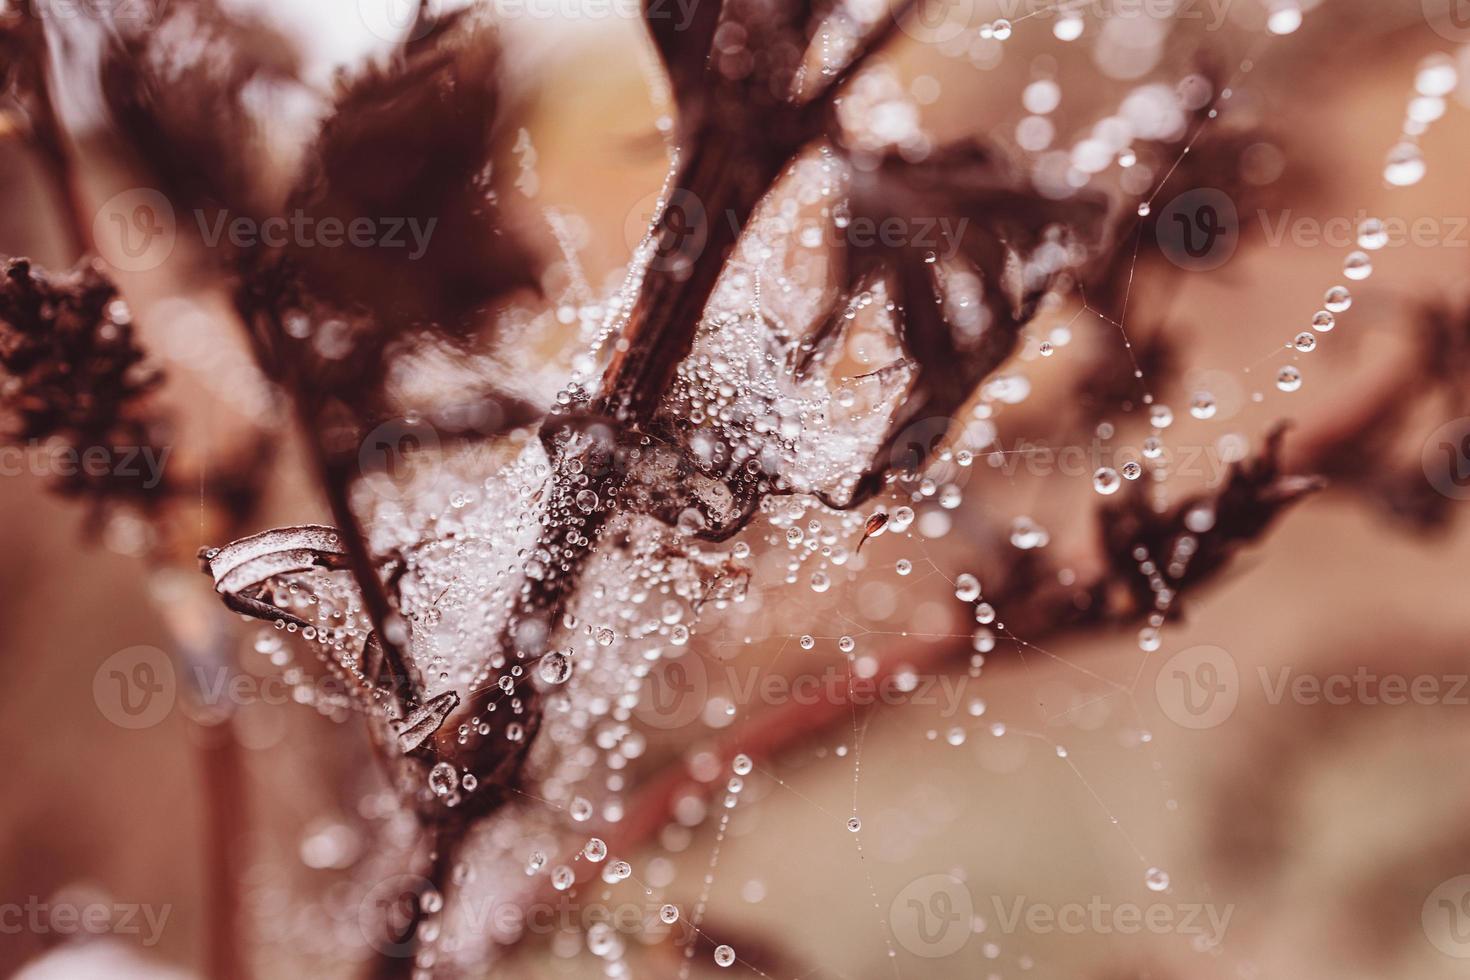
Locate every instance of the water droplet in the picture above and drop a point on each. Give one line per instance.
(1105, 481)
(854, 824)
(595, 849)
(724, 955)
(1337, 299)
(1069, 28)
(1357, 266)
(556, 667)
(742, 764)
(1202, 405)
(1306, 342)
(1288, 378)
(1436, 75)
(668, 914)
(1156, 879)
(1372, 235)
(1284, 18)
(443, 778)
(1405, 166)
(1131, 470)
(966, 587)
(1001, 30)
(1161, 416)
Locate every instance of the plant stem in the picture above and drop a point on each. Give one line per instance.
(226, 819)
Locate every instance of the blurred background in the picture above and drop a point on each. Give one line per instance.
(1068, 807)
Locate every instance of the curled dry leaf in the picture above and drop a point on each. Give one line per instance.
(1192, 540)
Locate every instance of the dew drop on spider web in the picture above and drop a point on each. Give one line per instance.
(1372, 235)
(443, 778)
(1323, 321)
(1156, 879)
(1288, 378)
(556, 667)
(1202, 406)
(595, 849)
(1405, 166)
(1106, 481)
(1285, 18)
(1337, 299)
(1436, 76)
(1306, 342)
(668, 914)
(966, 587)
(724, 955)
(1161, 416)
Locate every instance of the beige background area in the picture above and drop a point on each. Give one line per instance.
(1320, 830)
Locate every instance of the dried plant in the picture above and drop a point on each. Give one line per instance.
(495, 552)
